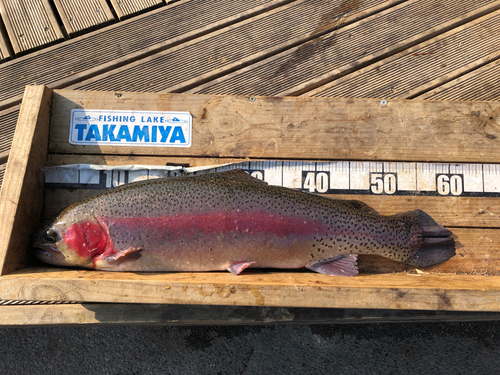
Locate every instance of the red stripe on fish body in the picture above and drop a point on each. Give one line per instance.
(211, 240)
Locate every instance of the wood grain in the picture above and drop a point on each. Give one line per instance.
(21, 196)
(343, 51)
(81, 15)
(286, 289)
(155, 314)
(303, 128)
(8, 121)
(426, 65)
(5, 51)
(480, 84)
(30, 24)
(235, 46)
(125, 8)
(145, 34)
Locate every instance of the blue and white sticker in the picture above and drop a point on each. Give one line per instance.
(130, 128)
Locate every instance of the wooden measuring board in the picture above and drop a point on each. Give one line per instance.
(30, 24)
(441, 157)
(125, 8)
(81, 15)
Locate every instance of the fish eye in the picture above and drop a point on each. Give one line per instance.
(51, 236)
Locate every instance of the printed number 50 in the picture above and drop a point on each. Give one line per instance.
(383, 183)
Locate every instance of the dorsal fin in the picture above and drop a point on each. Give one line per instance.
(240, 175)
(362, 206)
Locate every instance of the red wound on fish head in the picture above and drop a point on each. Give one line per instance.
(87, 239)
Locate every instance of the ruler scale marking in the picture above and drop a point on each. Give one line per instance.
(336, 177)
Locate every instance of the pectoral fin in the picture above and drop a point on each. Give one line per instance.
(236, 267)
(129, 254)
(343, 265)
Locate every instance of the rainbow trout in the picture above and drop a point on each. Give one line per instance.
(232, 221)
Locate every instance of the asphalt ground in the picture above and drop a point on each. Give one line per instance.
(392, 348)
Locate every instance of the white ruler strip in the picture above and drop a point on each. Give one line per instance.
(338, 177)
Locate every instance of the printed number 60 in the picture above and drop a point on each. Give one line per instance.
(449, 184)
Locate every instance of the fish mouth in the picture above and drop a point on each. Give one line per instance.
(49, 252)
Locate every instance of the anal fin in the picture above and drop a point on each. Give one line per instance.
(236, 267)
(342, 265)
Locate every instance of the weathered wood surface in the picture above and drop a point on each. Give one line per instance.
(253, 288)
(80, 15)
(426, 65)
(303, 128)
(353, 47)
(150, 314)
(125, 8)
(8, 121)
(480, 84)
(145, 34)
(234, 46)
(21, 196)
(30, 24)
(5, 52)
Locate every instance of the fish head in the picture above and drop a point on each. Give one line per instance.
(74, 242)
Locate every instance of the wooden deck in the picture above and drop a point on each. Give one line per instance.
(386, 49)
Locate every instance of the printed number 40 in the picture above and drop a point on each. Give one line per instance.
(383, 183)
(316, 182)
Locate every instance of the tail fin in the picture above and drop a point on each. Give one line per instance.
(430, 243)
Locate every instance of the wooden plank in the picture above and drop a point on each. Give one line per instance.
(80, 15)
(5, 51)
(8, 121)
(235, 46)
(271, 288)
(146, 34)
(30, 24)
(270, 128)
(22, 190)
(353, 47)
(150, 314)
(125, 8)
(426, 65)
(480, 84)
